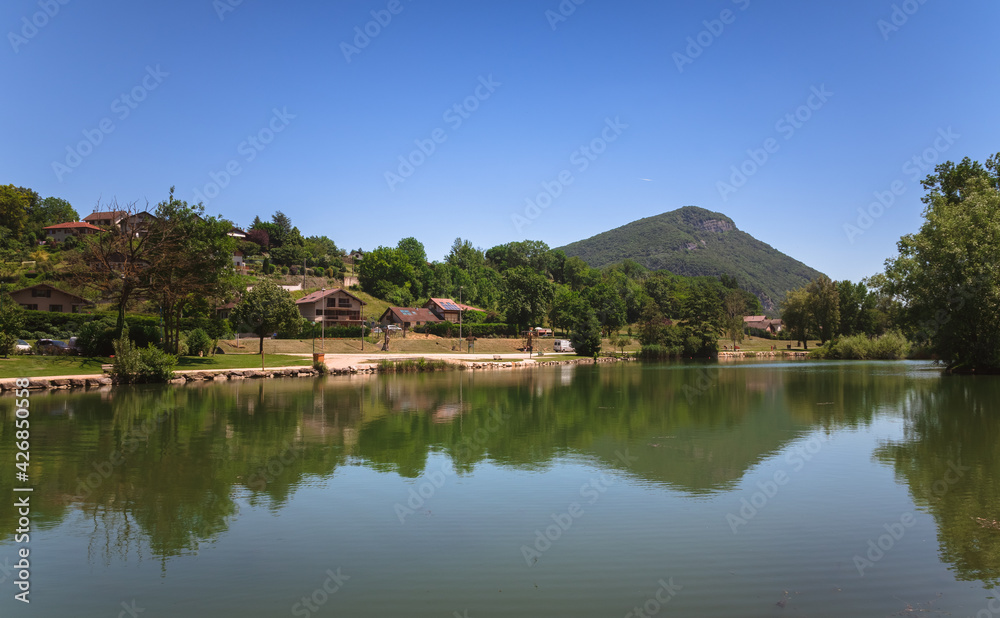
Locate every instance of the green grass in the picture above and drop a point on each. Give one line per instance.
(30, 366)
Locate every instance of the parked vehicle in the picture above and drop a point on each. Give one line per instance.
(562, 345)
(395, 327)
(53, 347)
(22, 347)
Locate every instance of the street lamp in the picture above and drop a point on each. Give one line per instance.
(460, 312)
(322, 300)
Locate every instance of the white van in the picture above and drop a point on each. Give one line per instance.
(562, 345)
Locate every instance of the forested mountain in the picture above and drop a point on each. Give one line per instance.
(693, 241)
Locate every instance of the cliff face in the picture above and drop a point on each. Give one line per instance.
(693, 241)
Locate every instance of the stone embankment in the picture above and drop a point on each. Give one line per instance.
(224, 375)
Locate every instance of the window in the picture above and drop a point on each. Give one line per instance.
(55, 307)
(344, 302)
(31, 307)
(319, 312)
(41, 293)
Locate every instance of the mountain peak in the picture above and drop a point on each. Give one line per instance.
(693, 241)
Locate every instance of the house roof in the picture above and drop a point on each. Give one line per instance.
(445, 303)
(321, 294)
(72, 225)
(763, 324)
(470, 308)
(83, 301)
(114, 215)
(410, 314)
(754, 318)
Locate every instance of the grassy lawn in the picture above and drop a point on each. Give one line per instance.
(29, 366)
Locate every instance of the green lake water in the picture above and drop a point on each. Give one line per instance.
(758, 489)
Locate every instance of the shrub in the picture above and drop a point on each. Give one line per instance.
(134, 365)
(657, 352)
(97, 338)
(890, 346)
(198, 343)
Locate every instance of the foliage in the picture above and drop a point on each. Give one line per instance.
(796, 314)
(384, 270)
(527, 295)
(199, 343)
(890, 346)
(586, 337)
(450, 329)
(657, 352)
(824, 307)
(413, 365)
(734, 308)
(134, 365)
(264, 309)
(97, 337)
(693, 241)
(11, 323)
(946, 274)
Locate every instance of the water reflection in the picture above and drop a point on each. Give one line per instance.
(159, 471)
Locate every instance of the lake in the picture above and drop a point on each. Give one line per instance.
(741, 489)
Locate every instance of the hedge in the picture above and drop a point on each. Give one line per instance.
(450, 329)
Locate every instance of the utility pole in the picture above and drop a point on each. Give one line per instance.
(460, 312)
(322, 300)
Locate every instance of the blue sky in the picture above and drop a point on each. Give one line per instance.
(601, 112)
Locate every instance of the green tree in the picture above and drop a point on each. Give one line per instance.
(265, 309)
(383, 270)
(796, 314)
(586, 337)
(11, 323)
(608, 304)
(53, 210)
(946, 274)
(734, 306)
(526, 297)
(567, 305)
(824, 306)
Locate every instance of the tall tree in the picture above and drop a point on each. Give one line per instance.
(264, 309)
(825, 307)
(734, 306)
(946, 274)
(796, 313)
(526, 296)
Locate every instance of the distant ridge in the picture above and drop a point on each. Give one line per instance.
(695, 242)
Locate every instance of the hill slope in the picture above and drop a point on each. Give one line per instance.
(693, 241)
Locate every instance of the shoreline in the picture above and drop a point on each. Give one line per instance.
(341, 367)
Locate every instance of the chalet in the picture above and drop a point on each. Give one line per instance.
(237, 233)
(762, 323)
(108, 218)
(334, 307)
(44, 297)
(406, 317)
(446, 309)
(61, 231)
(238, 264)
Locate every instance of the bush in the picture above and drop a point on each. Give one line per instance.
(133, 365)
(890, 346)
(657, 352)
(484, 330)
(97, 338)
(198, 343)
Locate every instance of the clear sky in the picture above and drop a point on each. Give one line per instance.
(602, 112)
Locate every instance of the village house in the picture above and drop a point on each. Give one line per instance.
(135, 223)
(238, 264)
(61, 231)
(44, 297)
(333, 307)
(405, 317)
(761, 322)
(107, 218)
(446, 309)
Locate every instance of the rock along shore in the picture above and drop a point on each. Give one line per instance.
(224, 375)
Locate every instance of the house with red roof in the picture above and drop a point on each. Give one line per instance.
(406, 317)
(447, 309)
(61, 231)
(333, 307)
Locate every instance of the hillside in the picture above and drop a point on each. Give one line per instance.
(693, 241)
